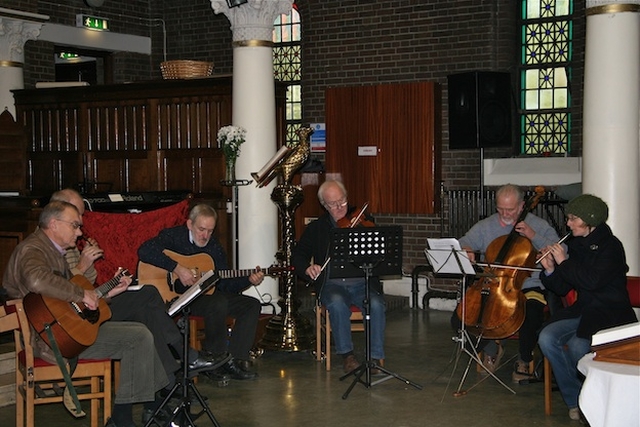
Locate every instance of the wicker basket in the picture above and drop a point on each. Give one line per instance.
(185, 69)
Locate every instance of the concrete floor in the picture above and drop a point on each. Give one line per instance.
(295, 390)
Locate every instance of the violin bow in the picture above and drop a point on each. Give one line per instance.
(357, 218)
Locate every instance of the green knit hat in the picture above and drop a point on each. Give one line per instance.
(591, 209)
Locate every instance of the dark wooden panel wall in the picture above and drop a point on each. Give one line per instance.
(154, 136)
(402, 123)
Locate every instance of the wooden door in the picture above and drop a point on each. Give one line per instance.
(383, 142)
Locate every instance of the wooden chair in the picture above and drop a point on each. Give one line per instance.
(33, 373)
(323, 331)
(633, 287)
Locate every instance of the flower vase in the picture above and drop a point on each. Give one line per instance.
(230, 175)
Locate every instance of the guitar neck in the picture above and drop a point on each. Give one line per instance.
(269, 271)
(230, 274)
(104, 289)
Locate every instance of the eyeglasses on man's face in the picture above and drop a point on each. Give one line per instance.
(74, 224)
(336, 204)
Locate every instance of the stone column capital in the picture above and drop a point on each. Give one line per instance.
(601, 7)
(252, 21)
(16, 28)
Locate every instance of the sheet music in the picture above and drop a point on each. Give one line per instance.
(442, 258)
(207, 280)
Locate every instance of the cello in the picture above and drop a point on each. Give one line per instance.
(494, 306)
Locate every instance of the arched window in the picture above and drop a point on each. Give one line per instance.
(287, 67)
(545, 76)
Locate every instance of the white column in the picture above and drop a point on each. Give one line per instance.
(16, 28)
(611, 158)
(254, 109)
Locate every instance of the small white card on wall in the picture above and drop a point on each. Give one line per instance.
(367, 150)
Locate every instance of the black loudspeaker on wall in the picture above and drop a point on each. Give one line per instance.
(479, 110)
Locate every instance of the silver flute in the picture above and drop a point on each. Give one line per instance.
(549, 251)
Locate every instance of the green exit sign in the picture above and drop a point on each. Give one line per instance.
(92, 22)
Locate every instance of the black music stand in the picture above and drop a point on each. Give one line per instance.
(182, 412)
(448, 258)
(374, 251)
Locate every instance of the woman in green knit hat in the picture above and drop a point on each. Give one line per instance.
(594, 265)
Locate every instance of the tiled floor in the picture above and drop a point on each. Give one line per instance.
(295, 390)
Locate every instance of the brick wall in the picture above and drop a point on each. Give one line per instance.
(23, 5)
(345, 42)
(197, 33)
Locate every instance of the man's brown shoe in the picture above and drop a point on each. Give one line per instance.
(350, 363)
(376, 371)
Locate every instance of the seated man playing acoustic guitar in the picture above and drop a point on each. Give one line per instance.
(196, 237)
(144, 305)
(37, 265)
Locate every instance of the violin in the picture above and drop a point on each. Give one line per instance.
(355, 219)
(351, 220)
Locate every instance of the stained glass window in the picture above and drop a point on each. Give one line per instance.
(545, 76)
(287, 67)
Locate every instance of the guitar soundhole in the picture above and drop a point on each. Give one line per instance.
(92, 316)
(178, 287)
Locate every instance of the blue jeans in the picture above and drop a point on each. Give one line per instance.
(559, 344)
(338, 298)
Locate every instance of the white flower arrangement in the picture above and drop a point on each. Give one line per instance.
(230, 138)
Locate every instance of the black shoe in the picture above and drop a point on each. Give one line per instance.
(111, 423)
(207, 362)
(236, 373)
(217, 376)
(161, 418)
(245, 365)
(218, 359)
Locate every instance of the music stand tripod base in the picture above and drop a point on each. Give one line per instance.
(182, 413)
(371, 250)
(463, 337)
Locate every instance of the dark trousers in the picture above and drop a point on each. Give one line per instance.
(528, 333)
(215, 308)
(147, 307)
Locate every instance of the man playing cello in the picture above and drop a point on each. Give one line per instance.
(510, 205)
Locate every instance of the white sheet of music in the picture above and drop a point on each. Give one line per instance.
(444, 254)
(206, 281)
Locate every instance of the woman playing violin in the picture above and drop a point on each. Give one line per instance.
(509, 206)
(338, 294)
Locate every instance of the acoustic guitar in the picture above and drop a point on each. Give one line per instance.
(74, 326)
(170, 286)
